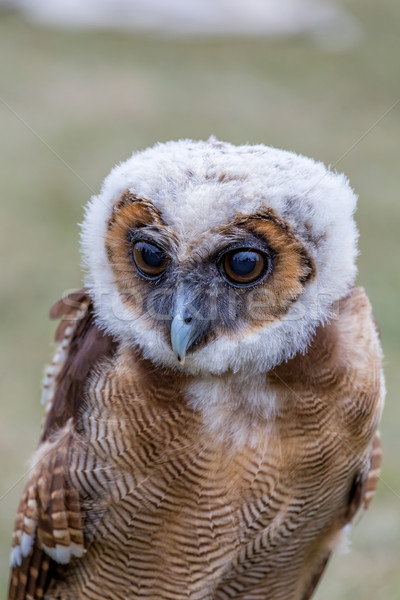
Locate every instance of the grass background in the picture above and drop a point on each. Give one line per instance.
(87, 100)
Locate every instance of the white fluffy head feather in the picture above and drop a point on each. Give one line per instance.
(197, 186)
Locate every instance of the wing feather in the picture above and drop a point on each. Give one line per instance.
(372, 479)
(49, 523)
(361, 496)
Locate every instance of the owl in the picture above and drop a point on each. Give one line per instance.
(213, 402)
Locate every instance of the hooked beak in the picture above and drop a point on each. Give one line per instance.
(185, 329)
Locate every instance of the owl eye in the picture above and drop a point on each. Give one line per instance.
(244, 266)
(150, 260)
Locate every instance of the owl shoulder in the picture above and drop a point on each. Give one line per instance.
(80, 345)
(343, 365)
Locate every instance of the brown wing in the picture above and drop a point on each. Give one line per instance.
(49, 524)
(350, 345)
(361, 494)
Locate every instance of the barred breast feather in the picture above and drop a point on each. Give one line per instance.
(131, 496)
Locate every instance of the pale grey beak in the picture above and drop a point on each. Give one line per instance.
(183, 334)
(185, 329)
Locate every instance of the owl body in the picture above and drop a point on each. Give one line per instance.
(212, 467)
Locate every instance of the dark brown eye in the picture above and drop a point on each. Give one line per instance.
(244, 266)
(149, 259)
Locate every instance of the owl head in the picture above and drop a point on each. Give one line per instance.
(215, 258)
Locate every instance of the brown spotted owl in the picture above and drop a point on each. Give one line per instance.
(213, 402)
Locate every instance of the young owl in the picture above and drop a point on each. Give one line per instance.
(213, 403)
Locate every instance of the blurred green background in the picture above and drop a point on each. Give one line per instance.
(88, 99)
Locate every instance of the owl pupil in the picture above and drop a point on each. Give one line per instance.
(150, 260)
(244, 266)
(243, 263)
(152, 256)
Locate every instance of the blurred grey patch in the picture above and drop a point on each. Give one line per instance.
(325, 21)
